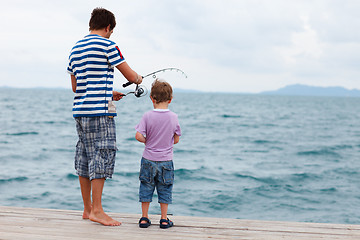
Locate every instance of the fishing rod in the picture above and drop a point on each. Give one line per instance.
(154, 74)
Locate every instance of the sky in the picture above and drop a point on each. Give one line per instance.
(228, 46)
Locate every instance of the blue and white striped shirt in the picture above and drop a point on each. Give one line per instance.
(92, 61)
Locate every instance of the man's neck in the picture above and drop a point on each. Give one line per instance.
(98, 32)
(105, 32)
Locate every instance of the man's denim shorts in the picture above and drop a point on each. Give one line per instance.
(96, 148)
(159, 175)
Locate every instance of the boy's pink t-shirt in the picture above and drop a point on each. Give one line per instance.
(159, 127)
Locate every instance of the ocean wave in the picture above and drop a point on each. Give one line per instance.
(328, 190)
(320, 152)
(269, 125)
(71, 176)
(22, 133)
(341, 147)
(231, 116)
(15, 179)
(45, 122)
(178, 151)
(201, 174)
(222, 201)
(131, 139)
(188, 172)
(63, 150)
(45, 194)
(301, 178)
(256, 151)
(126, 174)
(263, 141)
(347, 172)
(266, 180)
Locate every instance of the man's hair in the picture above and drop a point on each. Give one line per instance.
(161, 91)
(101, 18)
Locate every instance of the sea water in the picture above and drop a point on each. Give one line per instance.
(240, 156)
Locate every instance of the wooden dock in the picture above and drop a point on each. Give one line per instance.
(33, 223)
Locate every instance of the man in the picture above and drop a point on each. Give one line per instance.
(91, 64)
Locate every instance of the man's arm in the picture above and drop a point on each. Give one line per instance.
(128, 73)
(73, 83)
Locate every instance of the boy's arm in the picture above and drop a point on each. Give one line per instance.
(176, 138)
(140, 137)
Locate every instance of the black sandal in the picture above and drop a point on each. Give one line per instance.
(144, 225)
(168, 225)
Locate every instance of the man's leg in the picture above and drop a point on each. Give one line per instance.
(85, 186)
(97, 213)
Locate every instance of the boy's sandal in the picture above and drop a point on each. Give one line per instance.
(144, 225)
(168, 221)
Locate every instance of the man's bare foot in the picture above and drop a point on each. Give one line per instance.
(86, 214)
(103, 218)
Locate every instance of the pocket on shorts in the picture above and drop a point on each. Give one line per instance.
(168, 174)
(105, 156)
(145, 172)
(106, 144)
(78, 155)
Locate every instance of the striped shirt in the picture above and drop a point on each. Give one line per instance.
(92, 61)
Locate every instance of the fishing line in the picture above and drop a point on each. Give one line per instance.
(141, 90)
(153, 74)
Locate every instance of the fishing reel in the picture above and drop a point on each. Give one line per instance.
(140, 91)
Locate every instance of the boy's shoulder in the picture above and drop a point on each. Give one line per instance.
(162, 111)
(153, 114)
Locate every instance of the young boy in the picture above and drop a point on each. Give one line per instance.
(91, 65)
(159, 129)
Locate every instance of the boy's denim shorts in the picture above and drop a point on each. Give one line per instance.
(96, 148)
(159, 175)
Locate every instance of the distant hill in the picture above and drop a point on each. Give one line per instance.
(305, 90)
(180, 90)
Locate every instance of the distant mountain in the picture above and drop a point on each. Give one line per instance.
(180, 90)
(305, 90)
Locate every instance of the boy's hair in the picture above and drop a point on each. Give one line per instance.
(101, 18)
(161, 91)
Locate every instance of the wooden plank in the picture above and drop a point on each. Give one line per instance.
(30, 223)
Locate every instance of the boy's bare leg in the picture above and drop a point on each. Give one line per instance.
(85, 186)
(164, 209)
(145, 210)
(97, 213)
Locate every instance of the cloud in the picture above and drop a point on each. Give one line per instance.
(246, 45)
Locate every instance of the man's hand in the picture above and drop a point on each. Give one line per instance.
(117, 95)
(138, 79)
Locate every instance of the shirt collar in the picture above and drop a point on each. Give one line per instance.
(161, 110)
